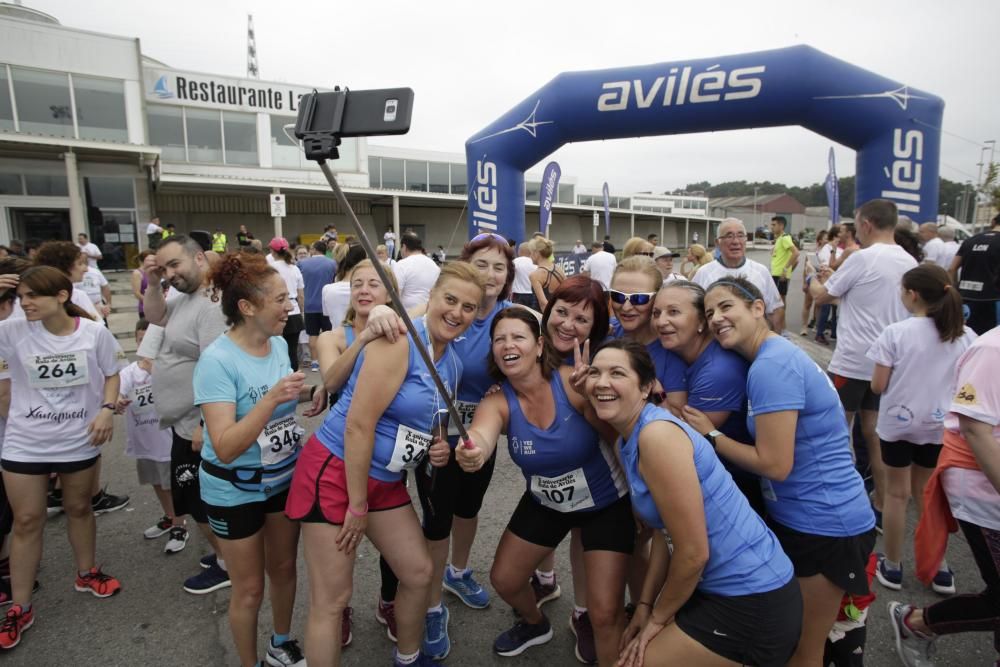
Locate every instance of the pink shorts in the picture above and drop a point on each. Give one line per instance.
(319, 488)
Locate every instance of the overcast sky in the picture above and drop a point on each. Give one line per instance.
(469, 62)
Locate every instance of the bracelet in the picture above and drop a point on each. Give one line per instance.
(358, 514)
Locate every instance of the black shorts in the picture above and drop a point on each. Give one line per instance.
(185, 489)
(6, 513)
(842, 560)
(240, 521)
(900, 454)
(855, 394)
(316, 323)
(761, 629)
(781, 284)
(609, 529)
(47, 467)
(448, 492)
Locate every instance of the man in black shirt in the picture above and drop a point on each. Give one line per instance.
(607, 245)
(976, 270)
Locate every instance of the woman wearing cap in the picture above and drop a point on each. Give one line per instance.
(816, 501)
(664, 259)
(283, 262)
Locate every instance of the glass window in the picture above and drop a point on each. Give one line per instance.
(166, 130)
(374, 177)
(532, 190)
(241, 137)
(565, 194)
(100, 108)
(43, 104)
(458, 181)
(392, 173)
(439, 177)
(416, 175)
(285, 152)
(204, 135)
(109, 192)
(6, 108)
(10, 184)
(46, 185)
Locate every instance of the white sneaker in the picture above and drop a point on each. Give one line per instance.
(162, 527)
(178, 540)
(913, 650)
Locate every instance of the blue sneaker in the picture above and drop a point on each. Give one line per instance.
(422, 661)
(436, 644)
(207, 581)
(208, 561)
(522, 636)
(944, 582)
(891, 579)
(467, 589)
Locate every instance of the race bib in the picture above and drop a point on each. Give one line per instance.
(767, 490)
(280, 439)
(142, 398)
(566, 493)
(466, 410)
(410, 449)
(56, 371)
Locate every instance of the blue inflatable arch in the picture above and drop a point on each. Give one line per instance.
(895, 129)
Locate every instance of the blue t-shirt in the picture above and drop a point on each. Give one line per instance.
(317, 271)
(744, 555)
(415, 407)
(225, 373)
(565, 466)
(823, 494)
(670, 369)
(716, 382)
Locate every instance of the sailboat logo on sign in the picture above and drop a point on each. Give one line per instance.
(161, 89)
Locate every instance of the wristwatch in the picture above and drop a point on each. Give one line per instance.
(712, 435)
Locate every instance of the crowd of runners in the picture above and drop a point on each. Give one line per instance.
(700, 464)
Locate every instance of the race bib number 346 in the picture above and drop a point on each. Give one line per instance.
(54, 371)
(280, 439)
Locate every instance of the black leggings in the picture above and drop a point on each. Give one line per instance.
(973, 612)
(444, 493)
(293, 327)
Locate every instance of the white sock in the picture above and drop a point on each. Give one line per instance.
(578, 611)
(455, 572)
(546, 578)
(891, 564)
(943, 567)
(222, 563)
(436, 609)
(408, 659)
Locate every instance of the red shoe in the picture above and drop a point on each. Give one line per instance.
(96, 582)
(14, 625)
(385, 613)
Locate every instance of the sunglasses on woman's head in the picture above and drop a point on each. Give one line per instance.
(486, 235)
(635, 298)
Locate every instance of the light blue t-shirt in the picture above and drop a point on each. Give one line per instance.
(744, 557)
(823, 494)
(670, 368)
(225, 373)
(414, 410)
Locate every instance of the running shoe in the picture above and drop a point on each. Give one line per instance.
(315, 367)
(97, 583)
(385, 614)
(436, 644)
(159, 529)
(207, 581)
(586, 650)
(104, 502)
(545, 592)
(522, 637)
(208, 561)
(913, 649)
(422, 661)
(14, 625)
(888, 577)
(346, 624)
(178, 540)
(944, 582)
(467, 589)
(287, 655)
(53, 503)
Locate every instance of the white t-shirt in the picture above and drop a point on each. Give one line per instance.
(523, 268)
(293, 281)
(153, 228)
(416, 275)
(920, 388)
(868, 285)
(601, 266)
(673, 277)
(270, 259)
(824, 254)
(971, 496)
(50, 413)
(144, 438)
(92, 252)
(934, 251)
(389, 237)
(580, 249)
(336, 301)
(93, 281)
(80, 298)
(755, 272)
(948, 254)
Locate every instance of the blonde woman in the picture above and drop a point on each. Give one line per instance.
(697, 257)
(547, 277)
(637, 246)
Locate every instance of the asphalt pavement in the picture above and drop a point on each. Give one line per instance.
(154, 622)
